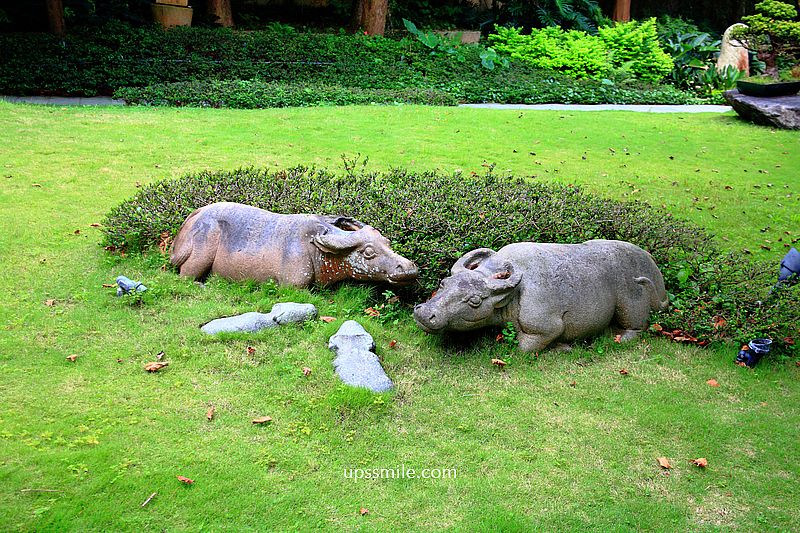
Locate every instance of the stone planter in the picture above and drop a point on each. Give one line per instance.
(767, 90)
(169, 16)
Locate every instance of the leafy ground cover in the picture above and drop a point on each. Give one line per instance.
(555, 441)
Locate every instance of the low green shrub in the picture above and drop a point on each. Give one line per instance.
(634, 47)
(631, 47)
(252, 94)
(574, 53)
(434, 218)
(117, 56)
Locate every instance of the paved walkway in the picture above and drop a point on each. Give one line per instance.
(105, 100)
(609, 107)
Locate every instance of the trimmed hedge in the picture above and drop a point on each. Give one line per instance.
(434, 218)
(100, 61)
(252, 94)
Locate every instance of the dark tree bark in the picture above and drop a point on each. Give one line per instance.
(55, 16)
(221, 9)
(370, 16)
(622, 11)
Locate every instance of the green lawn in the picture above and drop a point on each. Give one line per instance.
(96, 437)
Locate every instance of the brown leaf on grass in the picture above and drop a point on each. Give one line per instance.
(77, 232)
(702, 462)
(94, 225)
(72, 357)
(154, 366)
(712, 382)
(306, 371)
(499, 363)
(392, 344)
(657, 327)
(573, 384)
(618, 338)
(109, 285)
(623, 371)
(49, 303)
(788, 340)
(719, 322)
(371, 311)
(210, 413)
(363, 511)
(262, 420)
(36, 184)
(663, 462)
(327, 319)
(186, 480)
(250, 350)
(499, 338)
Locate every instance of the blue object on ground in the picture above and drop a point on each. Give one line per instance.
(127, 285)
(758, 349)
(355, 362)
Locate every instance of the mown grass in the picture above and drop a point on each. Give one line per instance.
(531, 450)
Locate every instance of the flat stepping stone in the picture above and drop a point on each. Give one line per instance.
(776, 111)
(356, 363)
(285, 313)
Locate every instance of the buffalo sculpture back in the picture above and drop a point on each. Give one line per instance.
(239, 242)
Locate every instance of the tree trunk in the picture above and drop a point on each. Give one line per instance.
(55, 16)
(622, 11)
(221, 9)
(370, 16)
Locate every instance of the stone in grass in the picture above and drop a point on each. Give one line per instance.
(280, 314)
(777, 111)
(355, 362)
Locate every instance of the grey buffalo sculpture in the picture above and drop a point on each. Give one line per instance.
(551, 293)
(239, 242)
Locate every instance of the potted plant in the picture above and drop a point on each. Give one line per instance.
(773, 33)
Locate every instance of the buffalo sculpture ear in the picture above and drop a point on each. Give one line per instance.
(345, 223)
(336, 243)
(504, 278)
(472, 260)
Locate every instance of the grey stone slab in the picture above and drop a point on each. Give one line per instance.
(776, 111)
(284, 313)
(355, 362)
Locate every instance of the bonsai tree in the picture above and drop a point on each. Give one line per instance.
(771, 33)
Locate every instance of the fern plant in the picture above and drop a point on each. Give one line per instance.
(583, 15)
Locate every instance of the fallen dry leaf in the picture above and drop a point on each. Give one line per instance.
(499, 363)
(262, 420)
(94, 225)
(712, 382)
(210, 413)
(327, 319)
(392, 344)
(77, 232)
(154, 366)
(663, 462)
(702, 462)
(499, 338)
(185, 480)
(363, 511)
(623, 371)
(72, 357)
(109, 285)
(49, 303)
(573, 384)
(371, 311)
(719, 322)
(306, 371)
(36, 184)
(618, 338)
(250, 350)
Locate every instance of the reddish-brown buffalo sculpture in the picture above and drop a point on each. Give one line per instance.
(241, 242)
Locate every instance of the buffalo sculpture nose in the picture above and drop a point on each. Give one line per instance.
(404, 273)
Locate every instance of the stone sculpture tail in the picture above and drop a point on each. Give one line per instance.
(182, 245)
(658, 295)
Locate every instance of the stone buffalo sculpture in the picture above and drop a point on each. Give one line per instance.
(551, 293)
(241, 242)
